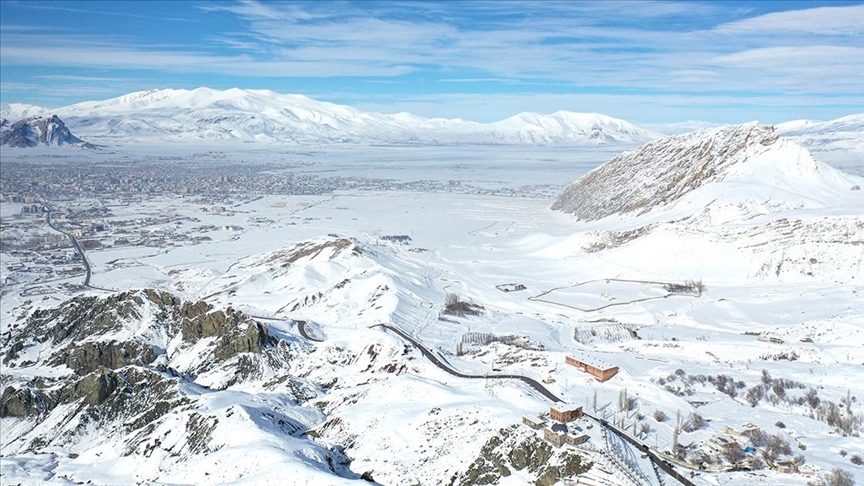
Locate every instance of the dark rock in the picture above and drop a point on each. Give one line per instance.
(87, 357)
(35, 131)
(94, 388)
(22, 403)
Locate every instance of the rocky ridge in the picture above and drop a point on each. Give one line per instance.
(146, 370)
(660, 172)
(36, 131)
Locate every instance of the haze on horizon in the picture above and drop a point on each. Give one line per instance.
(647, 62)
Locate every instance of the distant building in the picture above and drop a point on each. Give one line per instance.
(565, 413)
(534, 422)
(511, 287)
(600, 369)
(401, 239)
(559, 435)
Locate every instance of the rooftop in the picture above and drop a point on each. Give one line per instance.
(566, 407)
(591, 360)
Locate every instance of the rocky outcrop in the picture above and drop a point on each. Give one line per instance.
(139, 376)
(87, 357)
(662, 171)
(94, 388)
(517, 449)
(234, 332)
(23, 402)
(36, 131)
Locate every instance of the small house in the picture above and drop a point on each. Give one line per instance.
(534, 422)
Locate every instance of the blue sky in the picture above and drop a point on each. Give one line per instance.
(648, 62)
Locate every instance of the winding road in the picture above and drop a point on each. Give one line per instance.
(446, 367)
(301, 328)
(75, 243)
(437, 361)
(78, 248)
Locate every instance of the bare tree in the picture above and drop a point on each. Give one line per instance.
(694, 422)
(776, 445)
(644, 429)
(837, 477)
(733, 452)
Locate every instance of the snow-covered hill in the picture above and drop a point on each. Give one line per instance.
(263, 115)
(32, 132)
(839, 142)
(705, 165)
(739, 191)
(847, 131)
(144, 385)
(19, 111)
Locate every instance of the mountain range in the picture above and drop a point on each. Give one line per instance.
(263, 115)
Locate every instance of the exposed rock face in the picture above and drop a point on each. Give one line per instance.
(517, 449)
(76, 327)
(32, 132)
(87, 357)
(662, 171)
(21, 402)
(234, 333)
(94, 388)
(123, 362)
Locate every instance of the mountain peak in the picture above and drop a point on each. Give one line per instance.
(31, 132)
(665, 170)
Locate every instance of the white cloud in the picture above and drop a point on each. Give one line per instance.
(840, 21)
(124, 58)
(787, 56)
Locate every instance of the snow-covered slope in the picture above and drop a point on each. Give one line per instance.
(722, 164)
(846, 132)
(263, 115)
(564, 126)
(32, 132)
(144, 385)
(18, 111)
(751, 199)
(839, 142)
(325, 280)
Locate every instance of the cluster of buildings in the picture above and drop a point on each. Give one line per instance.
(559, 429)
(134, 180)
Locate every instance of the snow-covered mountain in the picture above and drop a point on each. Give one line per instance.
(36, 131)
(19, 111)
(848, 131)
(839, 142)
(143, 384)
(765, 200)
(704, 165)
(263, 115)
(167, 390)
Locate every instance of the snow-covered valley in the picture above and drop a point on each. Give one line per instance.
(186, 361)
